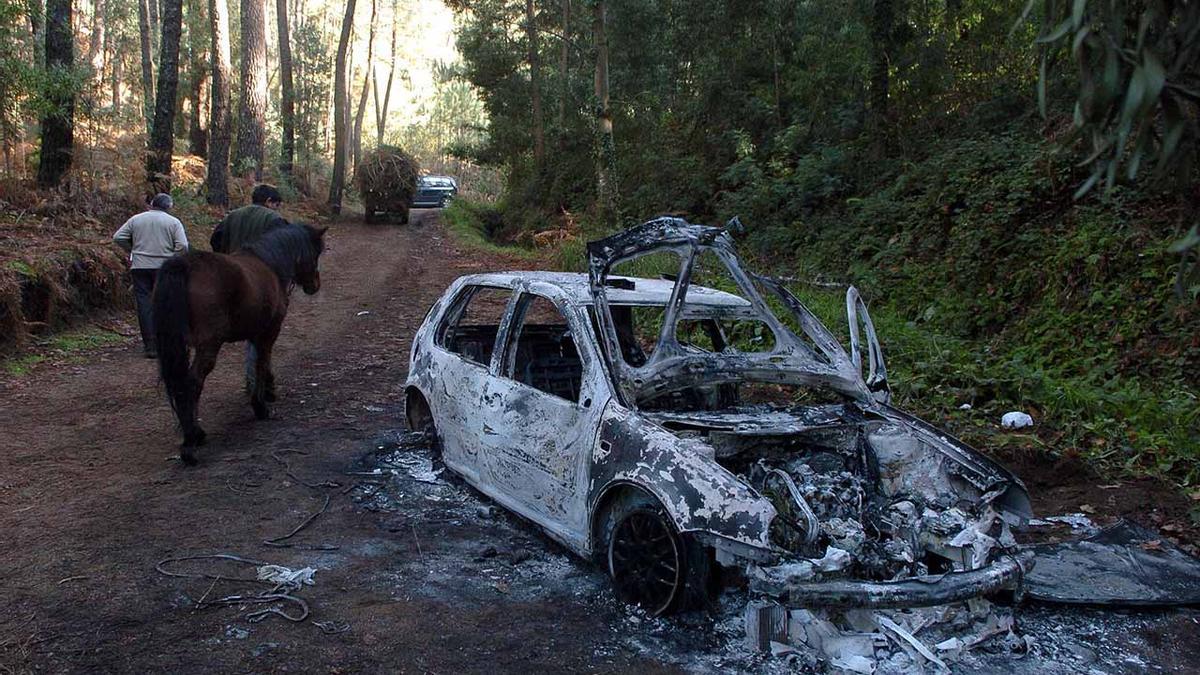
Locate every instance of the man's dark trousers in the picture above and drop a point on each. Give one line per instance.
(143, 286)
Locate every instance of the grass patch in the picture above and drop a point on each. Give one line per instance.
(21, 365)
(475, 225)
(69, 344)
(80, 340)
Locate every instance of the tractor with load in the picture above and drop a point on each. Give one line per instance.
(387, 183)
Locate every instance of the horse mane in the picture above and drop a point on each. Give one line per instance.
(283, 247)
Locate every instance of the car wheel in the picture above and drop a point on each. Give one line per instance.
(650, 563)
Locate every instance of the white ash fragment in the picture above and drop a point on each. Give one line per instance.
(834, 560)
(776, 578)
(846, 534)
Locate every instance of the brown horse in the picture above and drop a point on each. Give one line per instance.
(203, 300)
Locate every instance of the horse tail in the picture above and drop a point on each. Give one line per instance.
(171, 319)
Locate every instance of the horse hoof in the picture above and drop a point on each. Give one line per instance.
(260, 409)
(187, 453)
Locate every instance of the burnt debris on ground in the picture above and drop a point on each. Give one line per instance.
(468, 550)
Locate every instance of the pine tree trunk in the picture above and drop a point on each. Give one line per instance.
(606, 150)
(564, 65)
(337, 181)
(381, 112)
(252, 99)
(287, 104)
(58, 124)
(882, 20)
(535, 88)
(118, 65)
(96, 44)
(162, 134)
(37, 27)
(217, 180)
(155, 27)
(147, 64)
(356, 136)
(198, 124)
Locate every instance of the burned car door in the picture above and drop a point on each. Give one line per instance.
(542, 415)
(467, 337)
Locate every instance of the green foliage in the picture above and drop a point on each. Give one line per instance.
(1137, 67)
(993, 287)
(17, 77)
(479, 226)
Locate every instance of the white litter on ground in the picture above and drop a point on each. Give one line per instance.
(1016, 420)
(285, 576)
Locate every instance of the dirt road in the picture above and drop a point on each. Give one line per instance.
(91, 497)
(413, 573)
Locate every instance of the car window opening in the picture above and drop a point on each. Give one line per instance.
(470, 326)
(544, 354)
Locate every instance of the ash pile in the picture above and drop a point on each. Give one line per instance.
(855, 590)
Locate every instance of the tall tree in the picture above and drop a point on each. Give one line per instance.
(145, 30)
(337, 181)
(198, 122)
(252, 98)
(287, 92)
(96, 44)
(118, 66)
(564, 64)
(217, 179)
(882, 23)
(535, 87)
(162, 133)
(37, 26)
(356, 134)
(381, 111)
(58, 123)
(152, 14)
(606, 150)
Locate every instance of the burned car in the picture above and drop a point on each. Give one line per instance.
(690, 417)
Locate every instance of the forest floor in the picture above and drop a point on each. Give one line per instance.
(413, 572)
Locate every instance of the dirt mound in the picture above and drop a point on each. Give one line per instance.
(56, 260)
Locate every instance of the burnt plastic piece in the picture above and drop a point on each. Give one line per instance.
(1123, 564)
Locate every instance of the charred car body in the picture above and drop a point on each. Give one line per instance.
(664, 426)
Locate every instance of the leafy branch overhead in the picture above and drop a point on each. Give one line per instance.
(1138, 70)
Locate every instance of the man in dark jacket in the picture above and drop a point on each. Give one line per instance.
(242, 227)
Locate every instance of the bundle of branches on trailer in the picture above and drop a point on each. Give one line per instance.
(387, 178)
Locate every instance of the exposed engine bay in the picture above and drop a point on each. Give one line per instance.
(858, 492)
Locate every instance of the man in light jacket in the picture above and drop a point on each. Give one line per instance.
(150, 238)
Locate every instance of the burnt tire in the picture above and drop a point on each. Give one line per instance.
(650, 563)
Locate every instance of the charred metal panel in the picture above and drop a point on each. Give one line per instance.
(670, 367)
(698, 493)
(1004, 574)
(905, 433)
(1122, 565)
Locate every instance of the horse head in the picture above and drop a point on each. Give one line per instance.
(308, 274)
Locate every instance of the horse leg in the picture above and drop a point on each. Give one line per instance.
(264, 389)
(193, 434)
